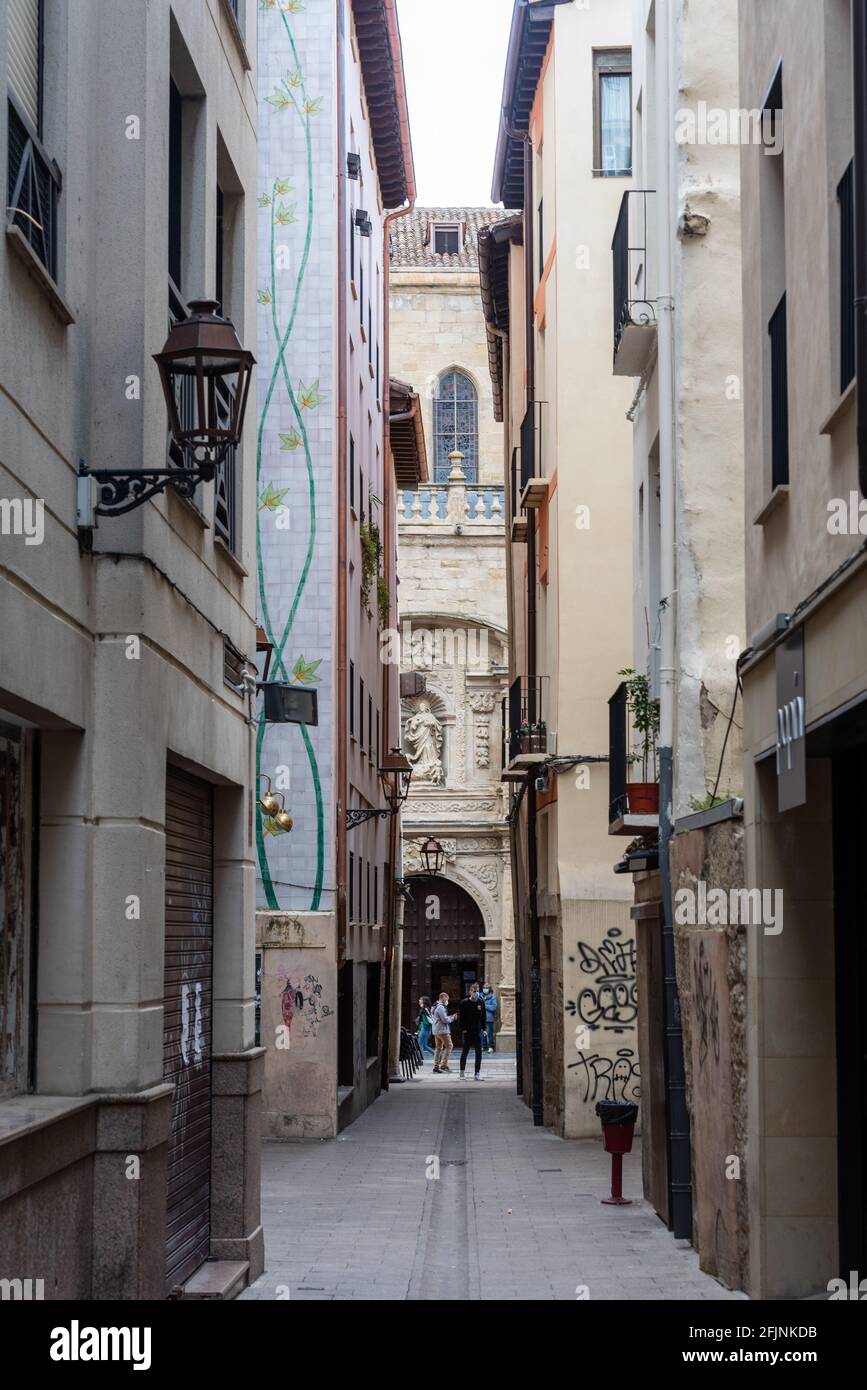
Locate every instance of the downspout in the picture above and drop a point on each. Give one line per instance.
(340, 703)
(859, 73)
(390, 536)
(677, 1115)
(537, 1089)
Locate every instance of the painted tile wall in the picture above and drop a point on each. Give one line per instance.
(296, 444)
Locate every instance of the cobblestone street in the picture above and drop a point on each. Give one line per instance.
(515, 1213)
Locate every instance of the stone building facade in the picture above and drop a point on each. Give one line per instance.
(452, 640)
(127, 1010)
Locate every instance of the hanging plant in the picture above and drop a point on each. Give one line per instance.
(371, 547)
(383, 600)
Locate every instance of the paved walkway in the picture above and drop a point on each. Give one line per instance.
(514, 1214)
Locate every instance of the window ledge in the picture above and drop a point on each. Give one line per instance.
(230, 557)
(236, 34)
(354, 289)
(776, 499)
(370, 369)
(192, 508)
(34, 267)
(363, 334)
(841, 409)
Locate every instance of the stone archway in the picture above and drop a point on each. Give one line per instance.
(443, 948)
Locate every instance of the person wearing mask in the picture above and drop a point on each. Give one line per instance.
(472, 1023)
(491, 1006)
(424, 1024)
(442, 1033)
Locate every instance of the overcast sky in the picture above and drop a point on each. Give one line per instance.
(454, 53)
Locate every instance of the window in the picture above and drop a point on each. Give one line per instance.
(33, 182)
(176, 178)
(370, 726)
(456, 425)
(352, 240)
(352, 472)
(612, 112)
(351, 886)
(221, 249)
(372, 1011)
(779, 396)
(377, 738)
(447, 239)
(845, 197)
(376, 893)
(367, 892)
(541, 238)
(370, 332)
(352, 699)
(361, 712)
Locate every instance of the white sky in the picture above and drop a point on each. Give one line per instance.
(454, 53)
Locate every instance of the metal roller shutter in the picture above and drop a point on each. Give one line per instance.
(188, 1017)
(23, 56)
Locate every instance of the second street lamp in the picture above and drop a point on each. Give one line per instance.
(432, 856)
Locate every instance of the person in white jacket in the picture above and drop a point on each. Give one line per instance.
(442, 1033)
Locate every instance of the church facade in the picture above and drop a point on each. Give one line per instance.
(452, 643)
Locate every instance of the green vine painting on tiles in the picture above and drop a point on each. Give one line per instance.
(295, 441)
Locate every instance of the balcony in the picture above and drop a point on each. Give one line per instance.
(449, 507)
(634, 297)
(623, 817)
(527, 739)
(533, 487)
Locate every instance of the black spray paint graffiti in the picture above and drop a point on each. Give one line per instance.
(704, 997)
(303, 999)
(610, 1078)
(610, 1000)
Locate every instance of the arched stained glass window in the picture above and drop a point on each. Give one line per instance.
(456, 425)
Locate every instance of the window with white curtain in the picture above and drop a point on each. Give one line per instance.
(612, 88)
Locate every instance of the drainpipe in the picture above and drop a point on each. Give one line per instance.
(677, 1116)
(389, 526)
(859, 72)
(537, 1090)
(340, 703)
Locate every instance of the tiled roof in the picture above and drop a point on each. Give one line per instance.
(411, 241)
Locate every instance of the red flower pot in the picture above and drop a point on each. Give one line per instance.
(643, 798)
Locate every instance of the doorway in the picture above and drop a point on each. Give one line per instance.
(442, 950)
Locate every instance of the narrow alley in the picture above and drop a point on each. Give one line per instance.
(514, 1214)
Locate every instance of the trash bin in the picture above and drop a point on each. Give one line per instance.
(618, 1124)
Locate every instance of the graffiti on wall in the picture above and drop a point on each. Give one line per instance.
(301, 998)
(609, 996)
(609, 1078)
(706, 1004)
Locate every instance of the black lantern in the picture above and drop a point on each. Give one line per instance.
(432, 856)
(395, 773)
(205, 374)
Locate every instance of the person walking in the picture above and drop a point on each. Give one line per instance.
(472, 1022)
(424, 1024)
(442, 1033)
(491, 1006)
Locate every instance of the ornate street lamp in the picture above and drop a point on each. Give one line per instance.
(205, 375)
(432, 856)
(395, 774)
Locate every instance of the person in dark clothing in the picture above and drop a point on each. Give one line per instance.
(472, 1019)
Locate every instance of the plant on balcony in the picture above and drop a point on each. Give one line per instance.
(371, 547)
(383, 601)
(643, 796)
(533, 737)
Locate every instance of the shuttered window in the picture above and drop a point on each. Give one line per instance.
(25, 65)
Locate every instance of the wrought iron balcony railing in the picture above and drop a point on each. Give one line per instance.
(634, 297)
(528, 733)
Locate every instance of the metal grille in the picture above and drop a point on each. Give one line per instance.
(846, 199)
(189, 930)
(779, 396)
(33, 187)
(456, 426)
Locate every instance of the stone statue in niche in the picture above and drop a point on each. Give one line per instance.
(423, 745)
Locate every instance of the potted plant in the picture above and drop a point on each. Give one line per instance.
(643, 796)
(539, 737)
